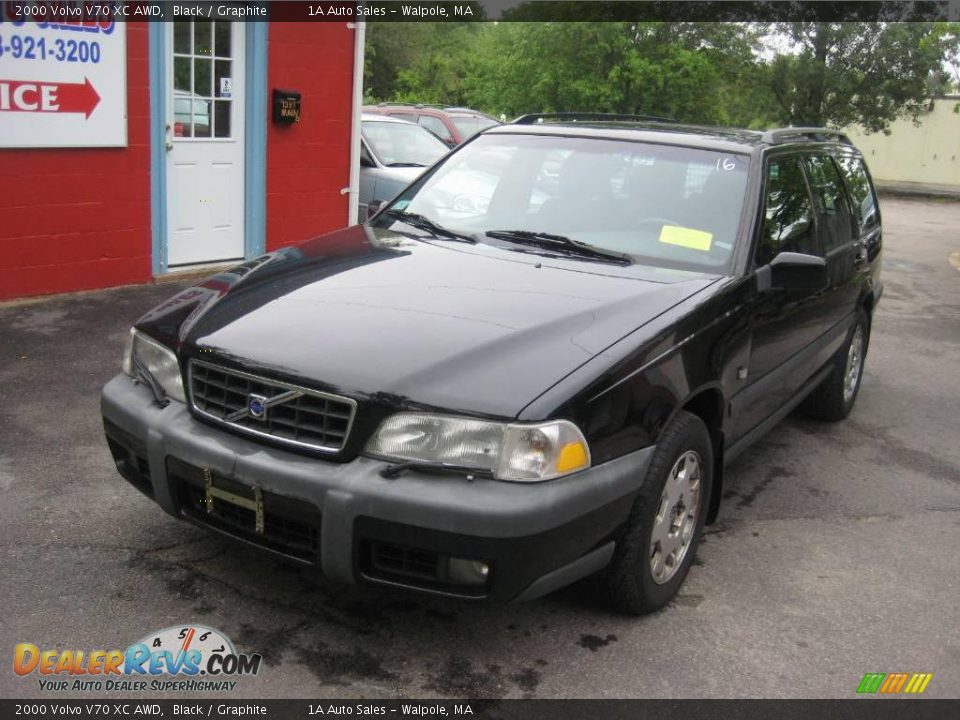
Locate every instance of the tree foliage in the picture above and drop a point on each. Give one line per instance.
(603, 67)
(866, 73)
(745, 74)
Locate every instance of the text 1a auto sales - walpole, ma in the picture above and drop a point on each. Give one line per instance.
(180, 658)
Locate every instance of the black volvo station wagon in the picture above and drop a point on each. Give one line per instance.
(530, 367)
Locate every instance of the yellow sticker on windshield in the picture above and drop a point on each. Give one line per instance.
(686, 237)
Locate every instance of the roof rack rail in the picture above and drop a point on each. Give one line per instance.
(534, 118)
(778, 136)
(432, 106)
(408, 104)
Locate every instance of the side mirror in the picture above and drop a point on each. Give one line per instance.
(793, 271)
(373, 208)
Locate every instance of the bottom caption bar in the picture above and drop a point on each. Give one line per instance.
(866, 708)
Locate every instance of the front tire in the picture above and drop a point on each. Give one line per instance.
(658, 542)
(834, 398)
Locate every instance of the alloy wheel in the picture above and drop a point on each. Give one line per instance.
(676, 518)
(854, 367)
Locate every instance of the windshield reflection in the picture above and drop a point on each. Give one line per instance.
(664, 206)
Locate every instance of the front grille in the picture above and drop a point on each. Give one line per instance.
(291, 415)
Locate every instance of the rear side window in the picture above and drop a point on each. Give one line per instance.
(861, 192)
(436, 126)
(788, 212)
(470, 125)
(836, 222)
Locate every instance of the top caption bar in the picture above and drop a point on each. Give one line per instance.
(88, 13)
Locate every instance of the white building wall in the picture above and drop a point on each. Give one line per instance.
(928, 154)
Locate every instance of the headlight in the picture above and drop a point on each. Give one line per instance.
(158, 360)
(515, 451)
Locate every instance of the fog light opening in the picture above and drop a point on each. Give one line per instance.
(467, 572)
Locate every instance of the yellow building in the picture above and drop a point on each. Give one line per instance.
(928, 154)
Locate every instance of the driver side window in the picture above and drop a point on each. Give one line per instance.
(788, 214)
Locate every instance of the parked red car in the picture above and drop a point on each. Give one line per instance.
(453, 125)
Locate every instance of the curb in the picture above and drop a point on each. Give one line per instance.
(918, 191)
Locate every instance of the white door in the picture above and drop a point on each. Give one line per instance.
(205, 84)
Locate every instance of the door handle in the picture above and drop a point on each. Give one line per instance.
(168, 145)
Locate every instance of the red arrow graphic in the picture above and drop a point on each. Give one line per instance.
(78, 98)
(39, 96)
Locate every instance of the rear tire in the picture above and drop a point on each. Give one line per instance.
(657, 544)
(834, 398)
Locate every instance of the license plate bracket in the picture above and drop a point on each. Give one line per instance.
(212, 492)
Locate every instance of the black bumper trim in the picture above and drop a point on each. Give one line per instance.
(522, 531)
(515, 563)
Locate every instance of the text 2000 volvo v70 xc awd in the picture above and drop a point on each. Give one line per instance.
(529, 367)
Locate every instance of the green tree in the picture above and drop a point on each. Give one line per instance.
(680, 70)
(391, 48)
(689, 71)
(421, 61)
(745, 74)
(866, 73)
(441, 71)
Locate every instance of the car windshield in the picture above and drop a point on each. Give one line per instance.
(398, 144)
(470, 125)
(661, 205)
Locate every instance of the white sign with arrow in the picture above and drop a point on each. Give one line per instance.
(62, 80)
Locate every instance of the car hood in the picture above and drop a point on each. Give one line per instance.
(364, 312)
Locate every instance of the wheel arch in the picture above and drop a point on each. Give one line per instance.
(707, 403)
(868, 302)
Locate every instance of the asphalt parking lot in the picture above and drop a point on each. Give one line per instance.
(837, 550)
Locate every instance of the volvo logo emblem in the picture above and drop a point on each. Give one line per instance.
(257, 407)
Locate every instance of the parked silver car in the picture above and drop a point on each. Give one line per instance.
(393, 153)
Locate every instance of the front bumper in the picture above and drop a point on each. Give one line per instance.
(352, 524)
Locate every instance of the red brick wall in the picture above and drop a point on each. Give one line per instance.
(308, 163)
(77, 219)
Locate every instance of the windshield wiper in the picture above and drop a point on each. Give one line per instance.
(560, 243)
(427, 225)
(405, 164)
(147, 378)
(397, 469)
